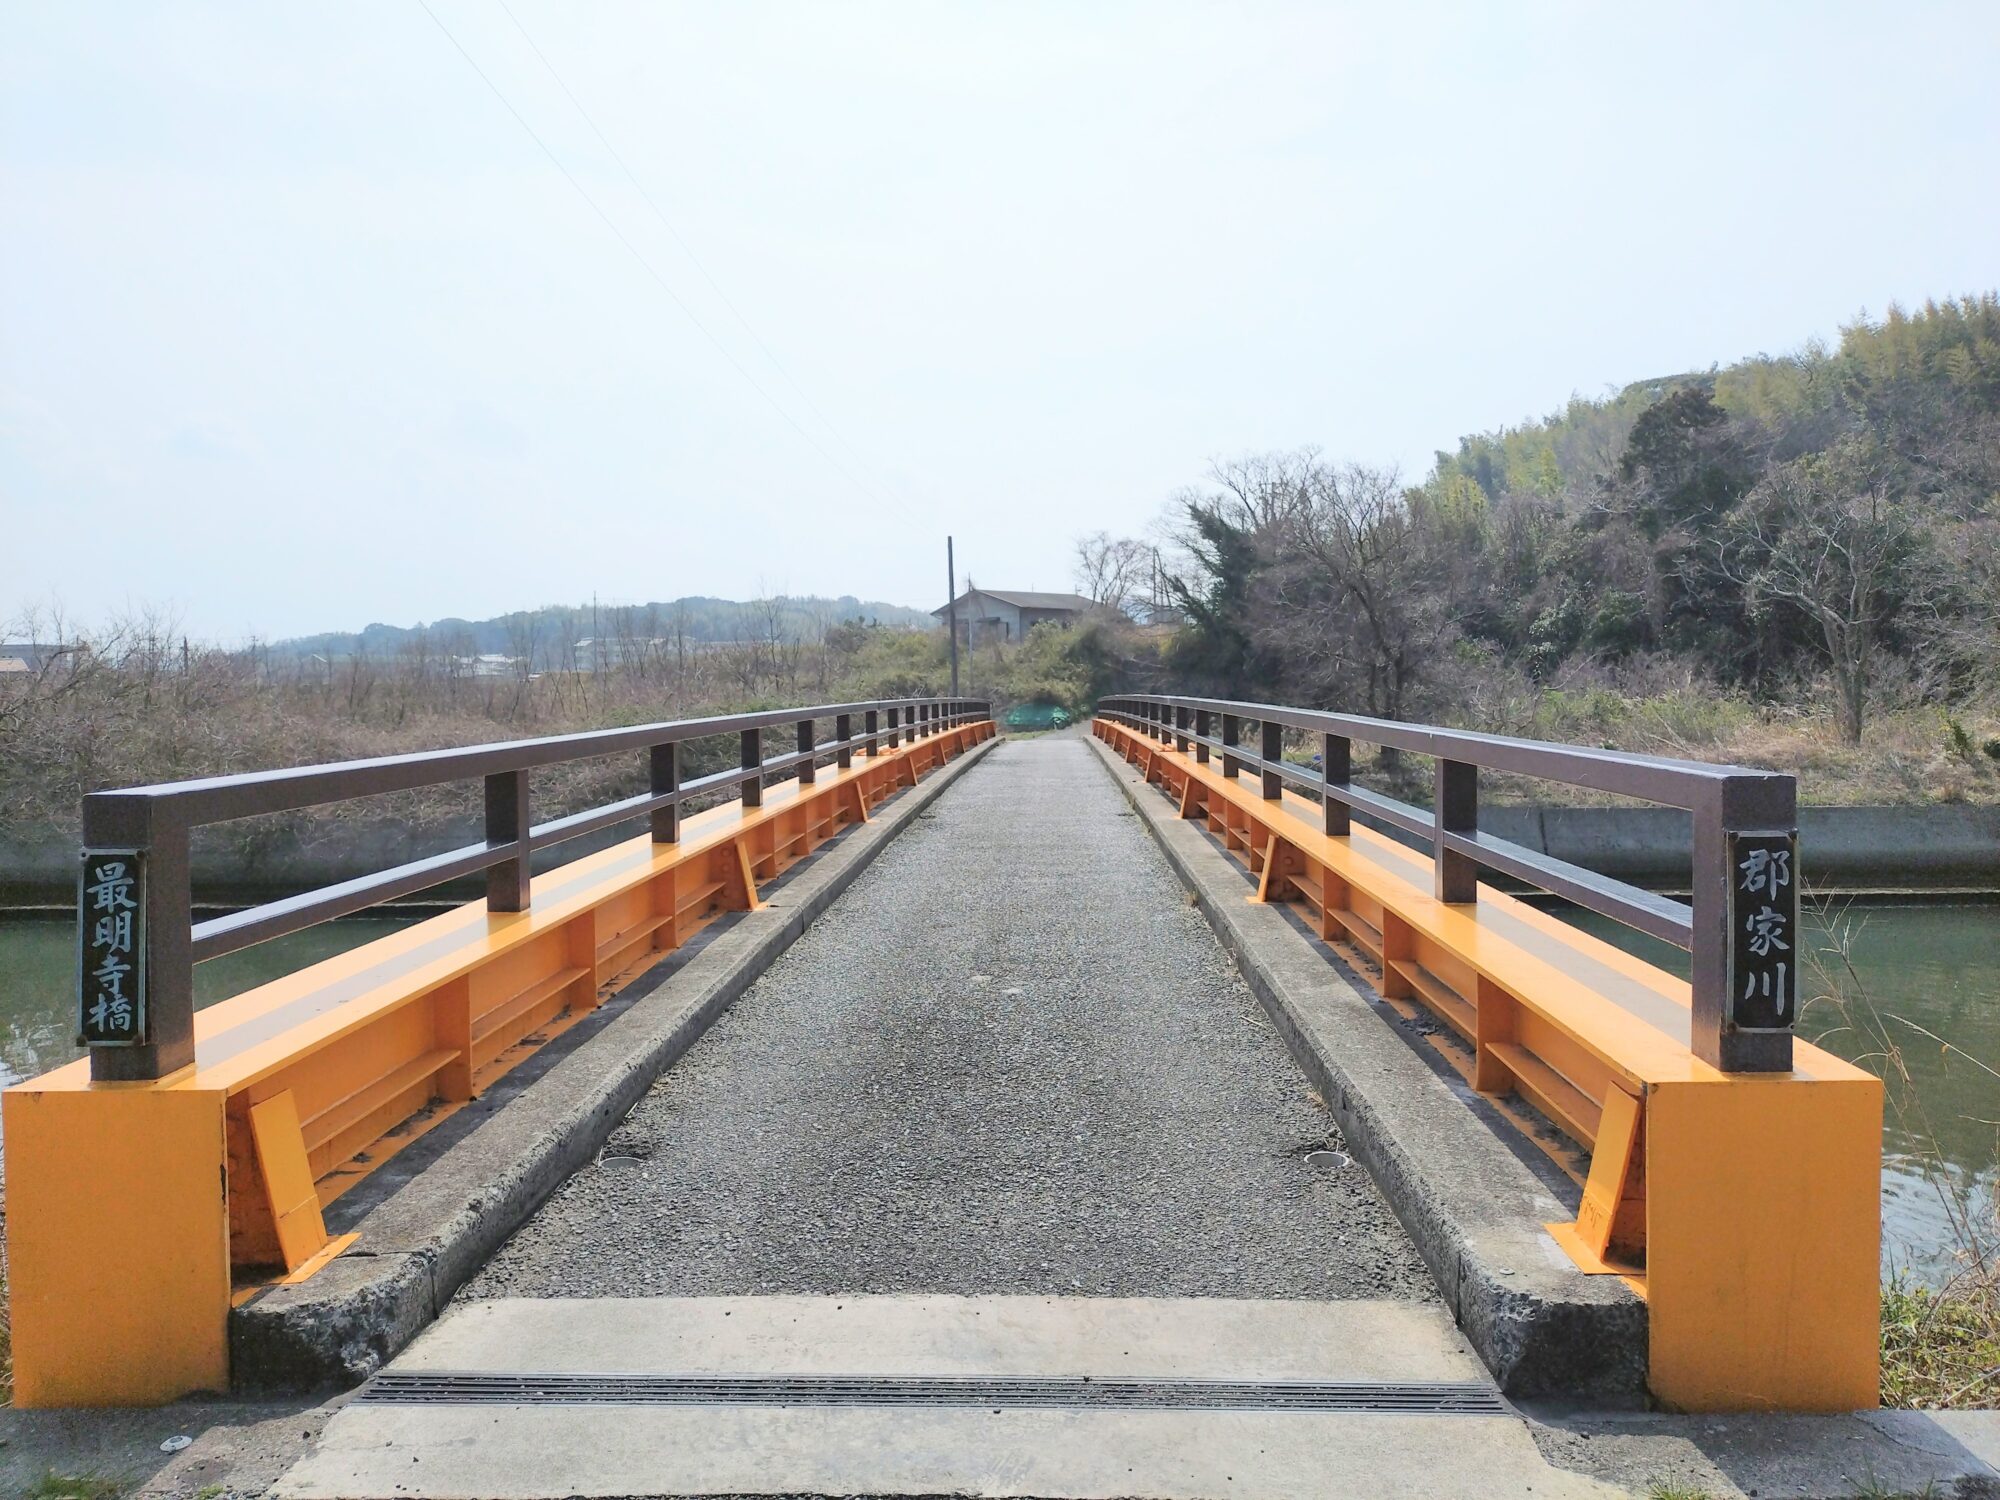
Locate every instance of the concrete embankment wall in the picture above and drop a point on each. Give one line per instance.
(235, 869)
(1844, 849)
(1840, 848)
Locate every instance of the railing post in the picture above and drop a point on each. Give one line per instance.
(843, 730)
(894, 738)
(1230, 736)
(753, 759)
(1336, 770)
(663, 774)
(164, 999)
(874, 729)
(1271, 746)
(1746, 946)
(1180, 728)
(1202, 732)
(507, 823)
(1456, 875)
(807, 770)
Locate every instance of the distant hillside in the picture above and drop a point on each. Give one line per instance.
(548, 634)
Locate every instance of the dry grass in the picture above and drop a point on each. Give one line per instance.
(1912, 753)
(54, 1486)
(141, 715)
(140, 708)
(1941, 1347)
(1940, 1344)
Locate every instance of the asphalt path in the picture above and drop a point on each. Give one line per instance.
(1011, 1058)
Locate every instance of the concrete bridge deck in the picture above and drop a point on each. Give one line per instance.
(991, 1122)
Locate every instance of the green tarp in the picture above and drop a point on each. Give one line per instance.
(1036, 716)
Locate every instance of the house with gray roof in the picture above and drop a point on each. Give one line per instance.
(1009, 614)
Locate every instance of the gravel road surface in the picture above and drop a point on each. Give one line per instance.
(1011, 1058)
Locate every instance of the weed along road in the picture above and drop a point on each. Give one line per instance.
(997, 1116)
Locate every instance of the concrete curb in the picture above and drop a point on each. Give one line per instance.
(420, 1244)
(1473, 1207)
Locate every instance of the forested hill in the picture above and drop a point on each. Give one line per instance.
(1832, 510)
(1819, 529)
(532, 633)
(1923, 382)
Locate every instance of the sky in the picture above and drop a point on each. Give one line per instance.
(302, 327)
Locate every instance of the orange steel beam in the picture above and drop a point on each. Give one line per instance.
(1745, 1208)
(123, 1257)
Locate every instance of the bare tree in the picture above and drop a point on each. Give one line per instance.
(1109, 569)
(774, 643)
(1366, 583)
(1261, 490)
(680, 626)
(523, 632)
(1831, 536)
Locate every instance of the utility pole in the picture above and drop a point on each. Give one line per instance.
(951, 610)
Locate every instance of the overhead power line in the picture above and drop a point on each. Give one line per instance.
(633, 250)
(679, 239)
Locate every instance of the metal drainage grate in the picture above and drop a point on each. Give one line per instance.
(449, 1388)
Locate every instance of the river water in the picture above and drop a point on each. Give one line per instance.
(1912, 994)
(1922, 1001)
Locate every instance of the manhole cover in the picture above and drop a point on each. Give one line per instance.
(620, 1163)
(1329, 1161)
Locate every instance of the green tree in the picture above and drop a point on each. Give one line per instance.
(1213, 648)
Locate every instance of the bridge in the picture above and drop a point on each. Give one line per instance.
(1151, 1110)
